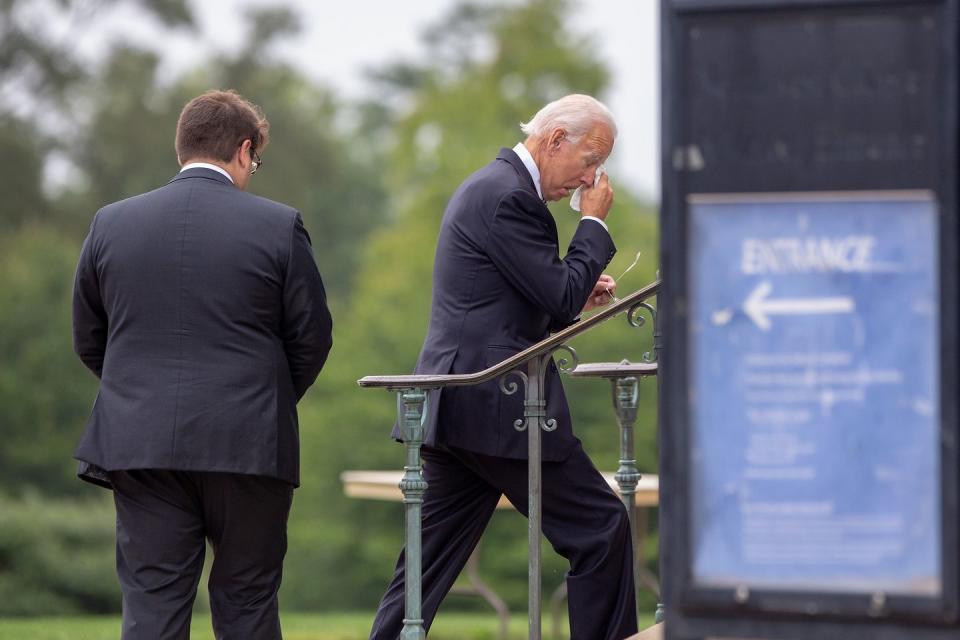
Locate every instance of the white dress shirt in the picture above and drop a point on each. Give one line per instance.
(521, 150)
(206, 165)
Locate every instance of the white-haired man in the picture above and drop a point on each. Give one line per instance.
(499, 286)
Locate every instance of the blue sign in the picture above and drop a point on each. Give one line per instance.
(814, 394)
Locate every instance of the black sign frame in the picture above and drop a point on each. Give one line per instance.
(688, 168)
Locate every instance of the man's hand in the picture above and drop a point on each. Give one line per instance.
(603, 293)
(596, 201)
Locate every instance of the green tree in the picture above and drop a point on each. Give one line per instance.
(310, 163)
(45, 393)
(39, 73)
(56, 556)
(39, 68)
(22, 181)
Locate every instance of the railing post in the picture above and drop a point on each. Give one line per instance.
(411, 390)
(413, 487)
(657, 350)
(626, 393)
(534, 415)
(625, 383)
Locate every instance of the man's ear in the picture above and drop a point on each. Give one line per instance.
(243, 153)
(557, 136)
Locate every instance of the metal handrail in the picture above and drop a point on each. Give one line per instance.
(412, 410)
(614, 370)
(627, 304)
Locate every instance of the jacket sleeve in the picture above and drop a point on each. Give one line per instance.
(307, 329)
(89, 315)
(523, 246)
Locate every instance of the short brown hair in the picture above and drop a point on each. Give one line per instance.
(214, 124)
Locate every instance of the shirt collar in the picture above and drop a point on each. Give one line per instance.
(521, 150)
(207, 165)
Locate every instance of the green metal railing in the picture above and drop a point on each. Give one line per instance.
(530, 367)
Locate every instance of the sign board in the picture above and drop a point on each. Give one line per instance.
(808, 405)
(814, 396)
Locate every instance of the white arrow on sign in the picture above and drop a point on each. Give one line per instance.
(758, 307)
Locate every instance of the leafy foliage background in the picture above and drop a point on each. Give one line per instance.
(371, 180)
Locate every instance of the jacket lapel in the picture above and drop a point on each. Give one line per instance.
(510, 156)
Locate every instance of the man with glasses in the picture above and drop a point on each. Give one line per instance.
(200, 309)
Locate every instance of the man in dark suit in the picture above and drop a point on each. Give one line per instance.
(499, 287)
(200, 308)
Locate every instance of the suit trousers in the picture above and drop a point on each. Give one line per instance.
(583, 519)
(164, 519)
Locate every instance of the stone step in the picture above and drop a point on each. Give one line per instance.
(653, 633)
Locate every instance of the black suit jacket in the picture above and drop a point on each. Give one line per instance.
(499, 286)
(201, 310)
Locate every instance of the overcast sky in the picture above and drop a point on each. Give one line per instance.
(341, 39)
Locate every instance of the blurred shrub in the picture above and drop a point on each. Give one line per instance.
(56, 556)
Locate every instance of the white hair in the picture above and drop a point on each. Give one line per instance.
(576, 114)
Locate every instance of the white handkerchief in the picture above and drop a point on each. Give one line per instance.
(575, 198)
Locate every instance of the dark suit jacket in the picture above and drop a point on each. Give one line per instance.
(499, 286)
(201, 310)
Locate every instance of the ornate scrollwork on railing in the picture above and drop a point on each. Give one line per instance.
(510, 388)
(534, 360)
(564, 365)
(636, 319)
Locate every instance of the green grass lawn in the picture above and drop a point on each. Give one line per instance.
(296, 626)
